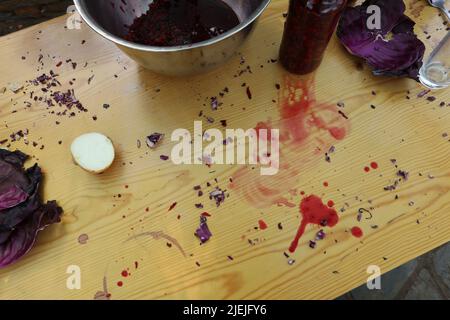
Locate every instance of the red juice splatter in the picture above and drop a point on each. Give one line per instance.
(286, 202)
(249, 93)
(120, 284)
(357, 232)
(314, 212)
(173, 205)
(264, 126)
(337, 133)
(262, 225)
(306, 128)
(374, 165)
(124, 273)
(366, 169)
(266, 191)
(330, 203)
(325, 184)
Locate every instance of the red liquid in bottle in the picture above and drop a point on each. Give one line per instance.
(308, 29)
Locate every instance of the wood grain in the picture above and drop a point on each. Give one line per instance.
(408, 130)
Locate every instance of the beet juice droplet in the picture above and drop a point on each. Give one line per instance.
(262, 224)
(314, 211)
(308, 29)
(357, 232)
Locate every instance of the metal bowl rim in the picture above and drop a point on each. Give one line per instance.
(106, 34)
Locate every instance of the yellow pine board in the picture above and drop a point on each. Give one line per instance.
(410, 131)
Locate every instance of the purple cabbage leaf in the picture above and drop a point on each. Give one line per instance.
(22, 212)
(391, 50)
(12, 197)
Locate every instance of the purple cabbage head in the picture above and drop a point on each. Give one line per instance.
(22, 213)
(12, 197)
(391, 50)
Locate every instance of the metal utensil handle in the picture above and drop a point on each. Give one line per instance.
(446, 12)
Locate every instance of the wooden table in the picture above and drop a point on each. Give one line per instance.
(243, 259)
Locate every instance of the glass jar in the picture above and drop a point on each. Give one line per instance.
(307, 32)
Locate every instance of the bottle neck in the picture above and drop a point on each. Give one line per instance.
(322, 6)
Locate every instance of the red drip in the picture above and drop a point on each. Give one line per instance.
(314, 212)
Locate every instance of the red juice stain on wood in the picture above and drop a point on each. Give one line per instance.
(330, 203)
(366, 169)
(262, 225)
(120, 284)
(125, 273)
(357, 232)
(249, 93)
(307, 129)
(264, 126)
(83, 238)
(206, 214)
(172, 206)
(160, 235)
(136, 264)
(374, 165)
(314, 211)
(325, 184)
(337, 133)
(285, 202)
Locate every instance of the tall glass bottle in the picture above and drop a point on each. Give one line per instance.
(307, 32)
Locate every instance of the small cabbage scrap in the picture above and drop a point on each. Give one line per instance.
(203, 232)
(393, 49)
(22, 213)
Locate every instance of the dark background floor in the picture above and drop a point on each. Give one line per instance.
(18, 14)
(427, 277)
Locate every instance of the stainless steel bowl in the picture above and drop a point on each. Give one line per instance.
(111, 22)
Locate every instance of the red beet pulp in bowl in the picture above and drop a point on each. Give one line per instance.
(112, 19)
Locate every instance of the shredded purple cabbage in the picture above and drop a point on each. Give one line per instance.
(203, 232)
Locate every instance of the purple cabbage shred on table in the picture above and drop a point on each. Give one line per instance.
(203, 232)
